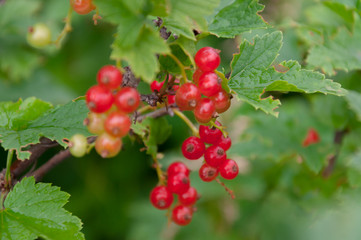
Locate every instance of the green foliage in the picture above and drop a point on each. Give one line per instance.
(252, 74)
(36, 210)
(236, 17)
(153, 132)
(354, 100)
(24, 122)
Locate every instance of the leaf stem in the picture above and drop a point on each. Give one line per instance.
(8, 165)
(229, 191)
(67, 28)
(181, 66)
(187, 121)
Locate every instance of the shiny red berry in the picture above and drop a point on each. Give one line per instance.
(99, 99)
(209, 84)
(182, 215)
(127, 99)
(187, 96)
(108, 146)
(196, 75)
(210, 135)
(189, 197)
(208, 173)
(204, 110)
(193, 148)
(207, 59)
(178, 183)
(109, 76)
(161, 197)
(156, 86)
(171, 99)
(221, 101)
(215, 155)
(228, 169)
(225, 142)
(117, 124)
(82, 6)
(177, 167)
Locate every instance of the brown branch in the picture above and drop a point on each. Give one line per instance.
(338, 138)
(156, 114)
(129, 80)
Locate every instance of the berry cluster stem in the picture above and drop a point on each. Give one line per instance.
(187, 121)
(229, 191)
(160, 174)
(67, 28)
(181, 66)
(8, 165)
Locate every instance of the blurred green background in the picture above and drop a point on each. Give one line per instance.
(278, 196)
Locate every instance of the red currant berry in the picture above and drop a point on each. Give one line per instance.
(193, 148)
(225, 142)
(177, 167)
(78, 145)
(127, 99)
(39, 35)
(95, 122)
(161, 197)
(215, 156)
(228, 169)
(109, 76)
(221, 101)
(82, 6)
(209, 84)
(156, 86)
(178, 183)
(108, 146)
(208, 173)
(182, 215)
(204, 110)
(196, 75)
(207, 59)
(117, 124)
(189, 197)
(99, 99)
(187, 96)
(171, 99)
(210, 135)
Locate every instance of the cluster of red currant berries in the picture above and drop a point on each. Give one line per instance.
(109, 106)
(177, 183)
(214, 155)
(207, 83)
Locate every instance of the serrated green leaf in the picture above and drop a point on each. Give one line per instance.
(169, 65)
(18, 130)
(186, 15)
(36, 210)
(238, 17)
(343, 52)
(153, 132)
(281, 138)
(354, 100)
(142, 55)
(354, 169)
(161, 8)
(252, 74)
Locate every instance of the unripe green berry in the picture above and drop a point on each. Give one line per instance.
(78, 145)
(39, 35)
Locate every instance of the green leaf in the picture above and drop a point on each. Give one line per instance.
(342, 52)
(354, 169)
(142, 55)
(23, 123)
(186, 15)
(354, 100)
(238, 17)
(153, 132)
(168, 64)
(36, 210)
(252, 74)
(281, 138)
